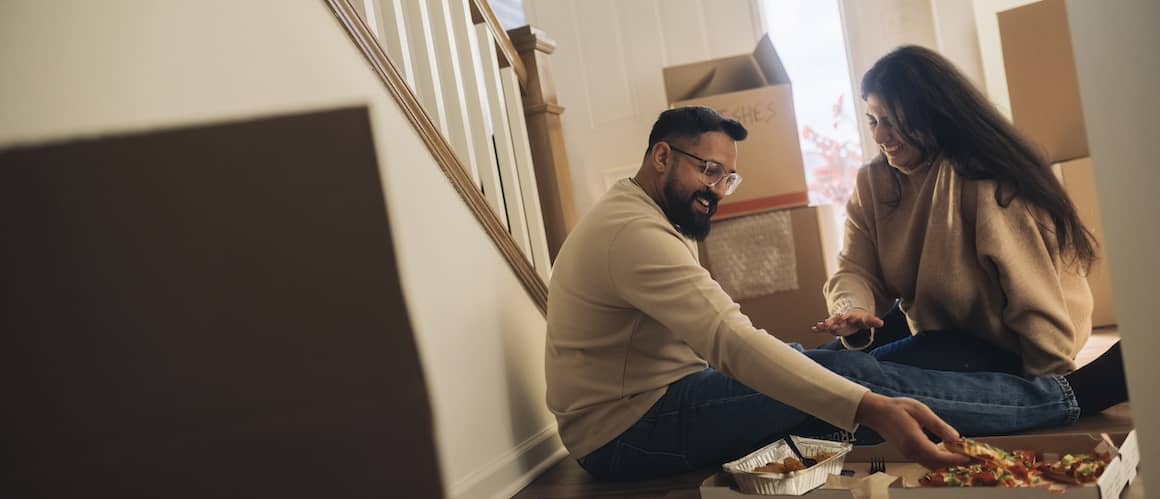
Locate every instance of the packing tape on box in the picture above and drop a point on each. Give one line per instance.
(753, 256)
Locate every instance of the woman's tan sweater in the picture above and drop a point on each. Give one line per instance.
(959, 260)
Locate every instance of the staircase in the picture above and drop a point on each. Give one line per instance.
(484, 103)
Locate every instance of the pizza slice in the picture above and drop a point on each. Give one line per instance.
(980, 451)
(982, 475)
(992, 467)
(1076, 469)
(1024, 475)
(954, 476)
(1027, 457)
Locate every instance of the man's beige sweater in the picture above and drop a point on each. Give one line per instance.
(630, 310)
(959, 260)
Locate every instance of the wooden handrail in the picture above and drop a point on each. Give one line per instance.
(481, 13)
(390, 75)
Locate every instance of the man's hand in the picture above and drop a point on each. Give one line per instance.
(850, 322)
(900, 421)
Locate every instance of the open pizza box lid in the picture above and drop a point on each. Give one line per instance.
(901, 478)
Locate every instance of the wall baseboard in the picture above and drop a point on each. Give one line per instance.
(513, 471)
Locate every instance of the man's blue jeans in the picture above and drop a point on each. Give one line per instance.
(708, 418)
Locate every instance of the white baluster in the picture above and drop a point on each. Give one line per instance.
(421, 46)
(479, 120)
(505, 152)
(391, 28)
(526, 172)
(452, 74)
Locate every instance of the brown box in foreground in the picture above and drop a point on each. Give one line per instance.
(755, 90)
(1041, 78)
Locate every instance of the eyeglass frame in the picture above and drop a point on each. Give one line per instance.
(705, 164)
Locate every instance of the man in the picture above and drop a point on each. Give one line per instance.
(634, 322)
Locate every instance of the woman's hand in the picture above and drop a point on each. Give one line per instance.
(850, 322)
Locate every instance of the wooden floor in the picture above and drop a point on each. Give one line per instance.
(568, 480)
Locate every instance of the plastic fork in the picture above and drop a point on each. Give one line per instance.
(808, 461)
(877, 465)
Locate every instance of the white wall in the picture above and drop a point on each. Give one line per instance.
(87, 68)
(991, 49)
(875, 28)
(608, 71)
(956, 32)
(1115, 52)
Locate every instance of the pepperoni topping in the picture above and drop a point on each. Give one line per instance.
(984, 478)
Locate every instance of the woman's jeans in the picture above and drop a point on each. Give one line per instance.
(939, 350)
(708, 418)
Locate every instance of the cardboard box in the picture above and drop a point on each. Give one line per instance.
(1041, 78)
(1113, 481)
(1078, 179)
(755, 90)
(789, 314)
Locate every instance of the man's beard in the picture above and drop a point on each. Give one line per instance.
(689, 222)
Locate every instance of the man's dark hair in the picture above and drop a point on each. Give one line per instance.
(686, 125)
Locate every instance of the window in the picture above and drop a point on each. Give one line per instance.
(809, 39)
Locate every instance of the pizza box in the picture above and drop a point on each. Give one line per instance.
(901, 478)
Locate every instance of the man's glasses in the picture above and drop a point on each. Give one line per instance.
(713, 172)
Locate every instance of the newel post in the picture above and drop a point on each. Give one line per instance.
(546, 135)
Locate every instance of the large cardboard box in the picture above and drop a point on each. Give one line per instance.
(1117, 476)
(1041, 78)
(755, 90)
(1078, 179)
(808, 250)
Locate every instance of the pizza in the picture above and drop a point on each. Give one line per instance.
(982, 475)
(1029, 458)
(980, 451)
(1077, 469)
(991, 467)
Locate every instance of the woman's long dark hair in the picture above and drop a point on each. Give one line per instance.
(939, 112)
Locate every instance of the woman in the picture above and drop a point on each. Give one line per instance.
(961, 221)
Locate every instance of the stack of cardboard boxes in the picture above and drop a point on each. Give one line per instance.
(772, 201)
(1045, 105)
